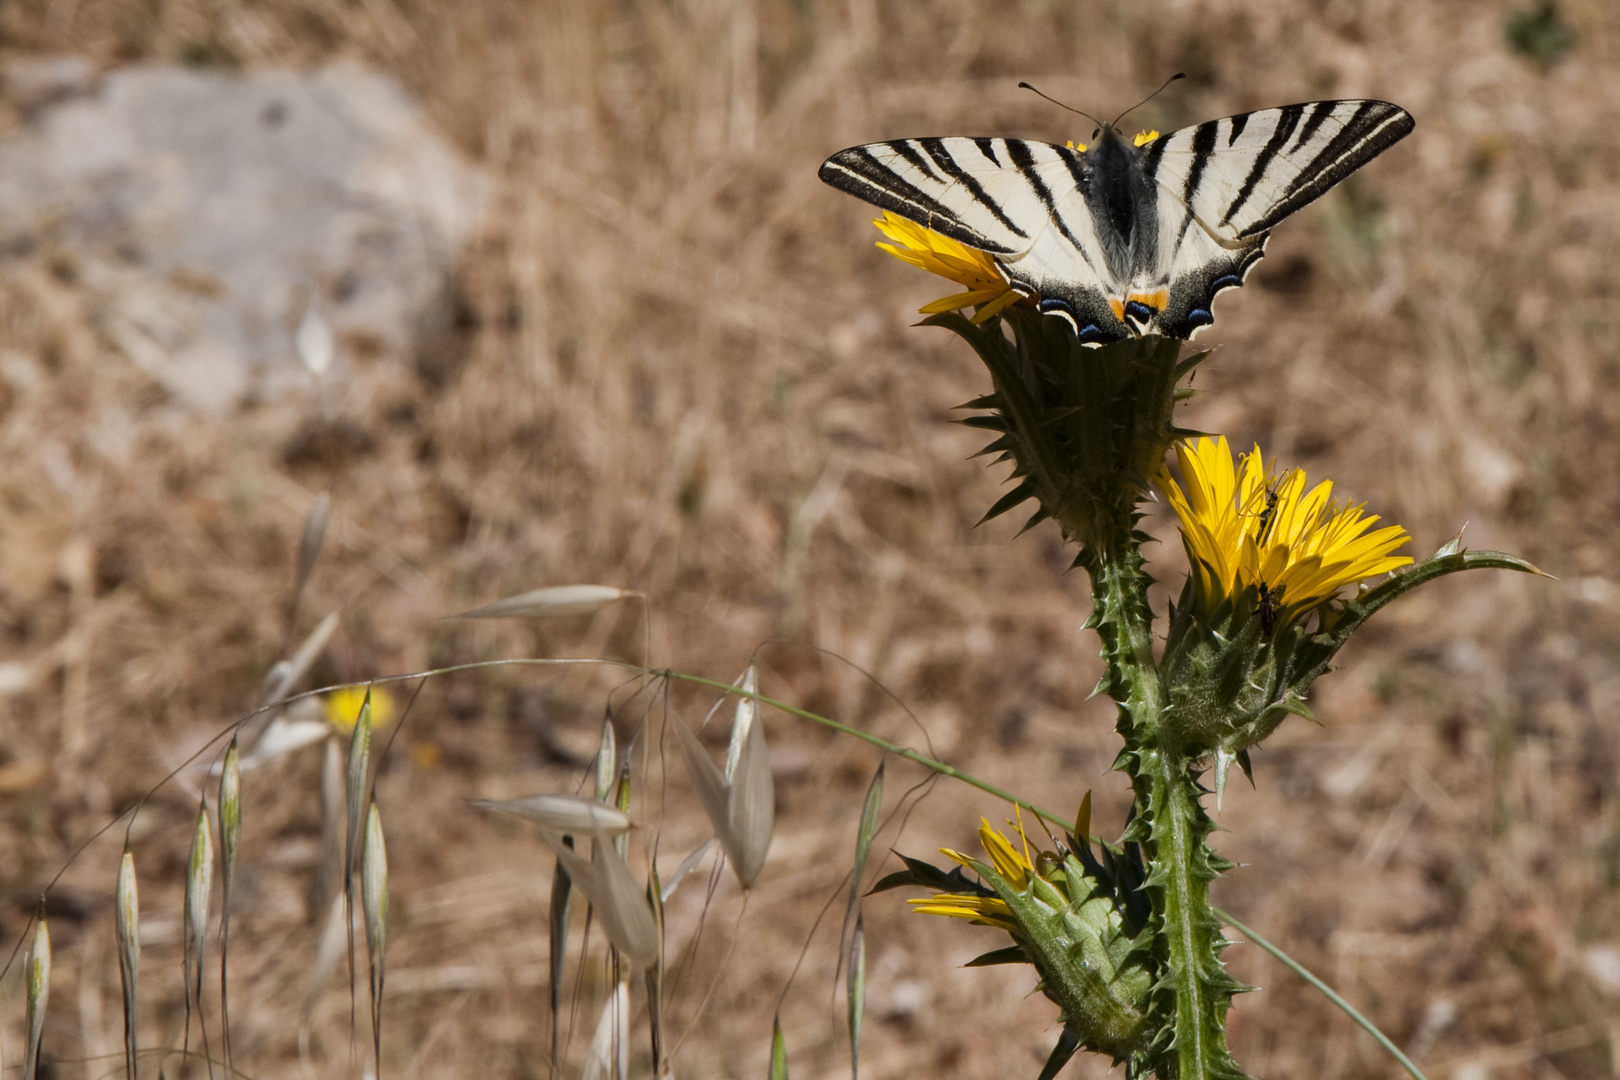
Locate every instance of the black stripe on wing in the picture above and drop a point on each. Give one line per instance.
(935, 148)
(1372, 128)
(908, 149)
(1287, 120)
(858, 172)
(1319, 112)
(1203, 148)
(987, 147)
(1024, 161)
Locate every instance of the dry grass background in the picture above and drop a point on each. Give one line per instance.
(680, 366)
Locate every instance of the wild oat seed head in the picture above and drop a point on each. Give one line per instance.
(1246, 529)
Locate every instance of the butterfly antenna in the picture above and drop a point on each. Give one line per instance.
(1059, 104)
(1150, 97)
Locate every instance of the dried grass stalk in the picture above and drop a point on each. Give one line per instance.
(570, 815)
(609, 1055)
(548, 603)
(230, 835)
(687, 865)
(743, 719)
(562, 892)
(870, 810)
(607, 761)
(743, 810)
(374, 899)
(751, 807)
(855, 991)
(127, 911)
(311, 541)
(655, 975)
(329, 870)
(618, 901)
(314, 341)
(286, 674)
(359, 770)
(199, 888)
(330, 950)
(39, 993)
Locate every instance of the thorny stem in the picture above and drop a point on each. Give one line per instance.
(1170, 822)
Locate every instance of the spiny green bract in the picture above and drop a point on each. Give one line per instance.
(1083, 427)
(1096, 971)
(1230, 684)
(1086, 927)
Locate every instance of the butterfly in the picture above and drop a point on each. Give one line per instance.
(1117, 238)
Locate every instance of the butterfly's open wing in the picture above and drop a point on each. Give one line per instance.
(1224, 184)
(1020, 201)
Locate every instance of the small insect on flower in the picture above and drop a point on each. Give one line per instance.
(987, 289)
(1263, 544)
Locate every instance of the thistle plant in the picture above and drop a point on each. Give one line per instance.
(1125, 940)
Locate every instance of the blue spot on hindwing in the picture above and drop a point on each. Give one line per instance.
(1138, 311)
(1230, 281)
(1199, 317)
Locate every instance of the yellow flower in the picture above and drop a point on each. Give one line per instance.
(1258, 539)
(975, 270)
(1008, 861)
(342, 707)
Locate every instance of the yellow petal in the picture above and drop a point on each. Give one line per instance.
(1245, 529)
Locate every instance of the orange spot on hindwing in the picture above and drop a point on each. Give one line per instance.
(1141, 307)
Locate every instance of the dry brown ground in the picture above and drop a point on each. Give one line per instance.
(683, 368)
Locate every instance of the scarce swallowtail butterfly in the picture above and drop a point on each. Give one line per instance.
(1121, 239)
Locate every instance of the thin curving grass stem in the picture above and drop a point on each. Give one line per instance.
(883, 744)
(1349, 1010)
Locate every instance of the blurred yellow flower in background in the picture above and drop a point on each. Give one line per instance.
(341, 707)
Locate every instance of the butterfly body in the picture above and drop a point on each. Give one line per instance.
(1122, 239)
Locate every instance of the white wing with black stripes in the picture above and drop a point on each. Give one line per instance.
(1120, 239)
(1021, 201)
(984, 192)
(1243, 174)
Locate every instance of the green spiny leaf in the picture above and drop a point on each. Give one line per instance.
(1012, 954)
(1025, 490)
(1068, 1042)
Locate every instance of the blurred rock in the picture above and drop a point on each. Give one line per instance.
(209, 213)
